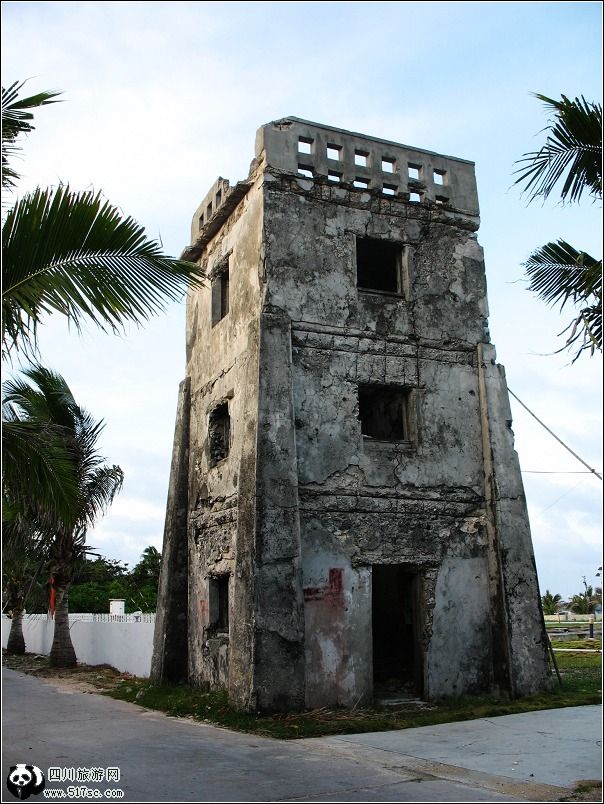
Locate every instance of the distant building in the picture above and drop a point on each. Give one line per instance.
(346, 516)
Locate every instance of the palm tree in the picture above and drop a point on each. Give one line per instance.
(585, 602)
(24, 555)
(71, 253)
(550, 602)
(49, 400)
(558, 272)
(74, 253)
(16, 121)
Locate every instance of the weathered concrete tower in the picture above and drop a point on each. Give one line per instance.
(346, 513)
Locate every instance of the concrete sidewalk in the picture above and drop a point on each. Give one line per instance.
(530, 757)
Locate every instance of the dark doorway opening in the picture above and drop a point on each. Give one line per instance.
(397, 655)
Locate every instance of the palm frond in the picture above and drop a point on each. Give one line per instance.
(560, 274)
(572, 152)
(102, 484)
(38, 472)
(75, 254)
(16, 119)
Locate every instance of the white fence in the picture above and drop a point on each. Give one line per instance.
(125, 641)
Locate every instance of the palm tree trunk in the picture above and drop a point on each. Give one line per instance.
(62, 653)
(16, 642)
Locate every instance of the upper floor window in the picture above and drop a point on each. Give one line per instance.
(379, 265)
(383, 411)
(220, 295)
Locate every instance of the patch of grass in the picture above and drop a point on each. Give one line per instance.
(579, 644)
(588, 790)
(581, 677)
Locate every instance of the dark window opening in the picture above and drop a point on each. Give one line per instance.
(383, 412)
(378, 265)
(219, 433)
(396, 625)
(219, 603)
(220, 296)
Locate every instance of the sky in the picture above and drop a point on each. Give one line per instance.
(159, 99)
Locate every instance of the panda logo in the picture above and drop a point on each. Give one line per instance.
(23, 780)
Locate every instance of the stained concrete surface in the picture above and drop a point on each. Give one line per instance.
(175, 759)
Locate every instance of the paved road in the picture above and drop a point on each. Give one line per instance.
(529, 757)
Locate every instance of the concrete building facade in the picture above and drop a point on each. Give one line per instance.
(346, 513)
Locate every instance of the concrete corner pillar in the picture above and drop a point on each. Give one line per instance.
(170, 639)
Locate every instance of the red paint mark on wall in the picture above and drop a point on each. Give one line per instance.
(332, 593)
(203, 609)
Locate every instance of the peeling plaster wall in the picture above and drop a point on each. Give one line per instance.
(418, 504)
(220, 361)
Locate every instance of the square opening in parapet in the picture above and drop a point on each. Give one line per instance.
(360, 158)
(334, 152)
(414, 172)
(439, 177)
(389, 189)
(361, 184)
(379, 265)
(415, 198)
(335, 177)
(388, 164)
(306, 171)
(305, 145)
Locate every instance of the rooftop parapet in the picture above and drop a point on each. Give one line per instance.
(343, 158)
(310, 149)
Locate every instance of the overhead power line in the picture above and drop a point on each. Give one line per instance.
(559, 440)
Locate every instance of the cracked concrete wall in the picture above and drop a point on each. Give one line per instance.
(304, 504)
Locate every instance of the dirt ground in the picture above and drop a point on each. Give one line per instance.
(84, 677)
(104, 678)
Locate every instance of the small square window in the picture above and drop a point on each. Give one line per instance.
(360, 158)
(219, 433)
(440, 199)
(336, 177)
(439, 177)
(334, 152)
(218, 199)
(389, 189)
(415, 198)
(304, 145)
(220, 296)
(209, 211)
(201, 221)
(414, 172)
(219, 603)
(306, 171)
(383, 412)
(388, 164)
(378, 265)
(361, 184)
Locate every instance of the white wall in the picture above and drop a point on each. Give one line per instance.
(125, 642)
